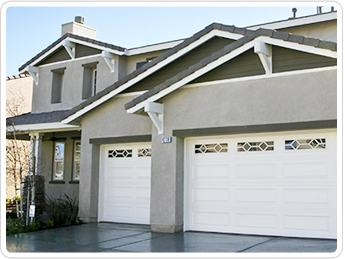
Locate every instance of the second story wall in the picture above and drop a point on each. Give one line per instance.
(63, 85)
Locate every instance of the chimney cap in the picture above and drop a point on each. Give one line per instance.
(79, 19)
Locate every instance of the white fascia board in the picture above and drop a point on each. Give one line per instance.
(151, 70)
(193, 76)
(152, 48)
(297, 46)
(46, 127)
(297, 21)
(73, 41)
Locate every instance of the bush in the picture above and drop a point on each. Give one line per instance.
(14, 226)
(62, 211)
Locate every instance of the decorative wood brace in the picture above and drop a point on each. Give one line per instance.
(155, 112)
(33, 71)
(109, 59)
(265, 54)
(70, 48)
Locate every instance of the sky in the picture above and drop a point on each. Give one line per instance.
(27, 29)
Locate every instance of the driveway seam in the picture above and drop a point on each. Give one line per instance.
(245, 249)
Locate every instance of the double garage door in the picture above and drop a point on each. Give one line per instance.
(266, 184)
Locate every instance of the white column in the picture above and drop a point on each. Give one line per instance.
(38, 147)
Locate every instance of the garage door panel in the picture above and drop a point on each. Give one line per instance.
(256, 195)
(210, 171)
(282, 191)
(255, 171)
(125, 183)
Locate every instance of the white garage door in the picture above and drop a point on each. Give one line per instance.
(125, 179)
(268, 184)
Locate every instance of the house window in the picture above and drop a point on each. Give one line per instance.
(89, 80)
(120, 153)
(211, 148)
(255, 146)
(58, 168)
(76, 160)
(57, 85)
(140, 64)
(297, 144)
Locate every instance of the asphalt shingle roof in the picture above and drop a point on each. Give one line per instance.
(33, 118)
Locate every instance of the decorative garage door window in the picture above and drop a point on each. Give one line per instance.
(211, 148)
(255, 146)
(296, 144)
(120, 153)
(144, 152)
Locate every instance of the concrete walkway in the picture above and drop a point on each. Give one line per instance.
(115, 238)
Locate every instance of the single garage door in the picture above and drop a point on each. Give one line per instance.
(125, 180)
(268, 184)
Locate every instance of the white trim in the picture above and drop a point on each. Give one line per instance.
(248, 78)
(152, 48)
(131, 94)
(71, 40)
(69, 61)
(156, 114)
(232, 54)
(148, 72)
(69, 47)
(109, 59)
(46, 127)
(34, 73)
(297, 21)
(264, 52)
(300, 47)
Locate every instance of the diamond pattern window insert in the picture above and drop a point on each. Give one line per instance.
(120, 153)
(211, 148)
(255, 146)
(144, 152)
(297, 144)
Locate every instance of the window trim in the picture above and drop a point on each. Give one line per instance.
(74, 178)
(54, 162)
(58, 77)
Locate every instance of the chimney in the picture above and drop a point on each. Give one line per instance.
(78, 28)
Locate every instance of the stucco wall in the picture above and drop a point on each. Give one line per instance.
(107, 121)
(72, 84)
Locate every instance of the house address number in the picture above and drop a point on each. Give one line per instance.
(166, 140)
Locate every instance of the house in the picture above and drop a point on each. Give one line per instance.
(18, 101)
(231, 130)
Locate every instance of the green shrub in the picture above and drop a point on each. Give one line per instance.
(50, 224)
(63, 211)
(14, 226)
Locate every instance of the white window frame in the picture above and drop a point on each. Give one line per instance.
(55, 161)
(94, 81)
(75, 160)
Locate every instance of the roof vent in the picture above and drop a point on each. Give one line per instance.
(319, 10)
(79, 19)
(294, 10)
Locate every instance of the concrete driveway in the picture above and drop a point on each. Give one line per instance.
(121, 238)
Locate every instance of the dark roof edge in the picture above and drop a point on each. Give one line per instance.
(34, 118)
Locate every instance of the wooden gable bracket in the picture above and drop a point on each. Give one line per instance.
(33, 71)
(70, 48)
(155, 112)
(109, 59)
(264, 52)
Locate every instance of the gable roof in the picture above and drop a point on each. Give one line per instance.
(243, 36)
(74, 38)
(214, 29)
(266, 35)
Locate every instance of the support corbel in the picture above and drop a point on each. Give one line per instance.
(33, 71)
(155, 112)
(70, 48)
(109, 60)
(264, 52)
